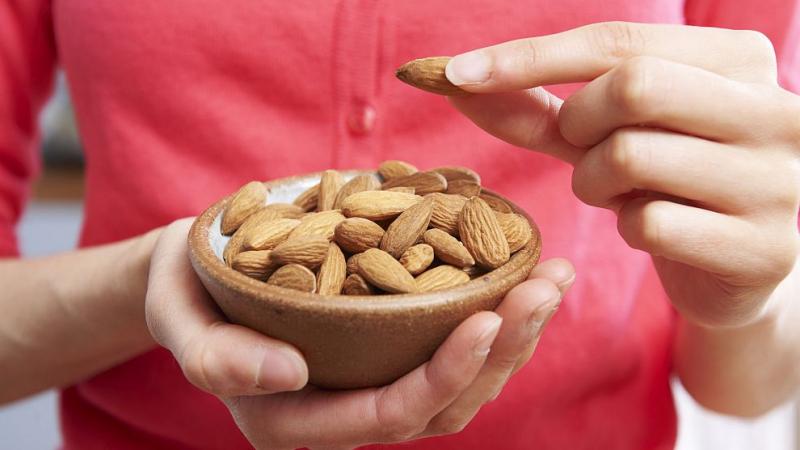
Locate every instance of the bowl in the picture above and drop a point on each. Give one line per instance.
(348, 341)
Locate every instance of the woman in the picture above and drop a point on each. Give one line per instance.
(683, 133)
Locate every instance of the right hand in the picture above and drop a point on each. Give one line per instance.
(263, 381)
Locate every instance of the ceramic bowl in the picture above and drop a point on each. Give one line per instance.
(348, 341)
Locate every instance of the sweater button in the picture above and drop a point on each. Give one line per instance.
(361, 119)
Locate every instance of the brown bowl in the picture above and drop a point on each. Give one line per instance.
(348, 341)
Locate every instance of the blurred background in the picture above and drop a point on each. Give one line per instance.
(52, 222)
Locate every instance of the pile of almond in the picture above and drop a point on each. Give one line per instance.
(415, 232)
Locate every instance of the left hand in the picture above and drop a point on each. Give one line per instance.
(682, 131)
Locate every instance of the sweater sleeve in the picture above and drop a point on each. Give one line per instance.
(27, 60)
(779, 20)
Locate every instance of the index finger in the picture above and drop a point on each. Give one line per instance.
(583, 54)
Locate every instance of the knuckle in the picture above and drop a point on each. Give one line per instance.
(759, 53)
(641, 225)
(396, 425)
(626, 158)
(618, 40)
(631, 86)
(448, 425)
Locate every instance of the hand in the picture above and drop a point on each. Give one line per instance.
(682, 131)
(263, 381)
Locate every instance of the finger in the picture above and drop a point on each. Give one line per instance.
(393, 413)
(584, 53)
(527, 119)
(524, 310)
(660, 93)
(218, 357)
(642, 159)
(558, 270)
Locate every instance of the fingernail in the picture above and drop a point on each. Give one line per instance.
(542, 313)
(469, 68)
(568, 282)
(281, 370)
(484, 342)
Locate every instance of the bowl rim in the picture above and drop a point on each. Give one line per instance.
(202, 255)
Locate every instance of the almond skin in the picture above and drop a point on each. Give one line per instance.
(329, 186)
(279, 211)
(395, 169)
(407, 229)
(454, 173)
(441, 277)
(446, 209)
(481, 234)
(422, 182)
(355, 284)
(265, 214)
(332, 272)
(467, 188)
(356, 235)
(308, 199)
(267, 235)
(428, 74)
(294, 276)
(495, 203)
(255, 264)
(320, 224)
(308, 251)
(406, 189)
(382, 270)
(359, 183)
(516, 230)
(448, 249)
(352, 264)
(247, 200)
(417, 258)
(378, 205)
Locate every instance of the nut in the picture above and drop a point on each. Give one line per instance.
(395, 169)
(356, 234)
(378, 205)
(407, 228)
(481, 234)
(441, 277)
(294, 276)
(332, 272)
(448, 249)
(247, 200)
(417, 258)
(382, 270)
(428, 74)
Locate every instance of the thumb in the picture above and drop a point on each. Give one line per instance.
(527, 119)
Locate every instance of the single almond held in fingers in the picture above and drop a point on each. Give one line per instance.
(267, 235)
(417, 258)
(395, 169)
(321, 224)
(516, 229)
(441, 277)
(356, 184)
(308, 251)
(446, 209)
(382, 270)
(356, 234)
(378, 205)
(407, 228)
(481, 234)
(308, 199)
(447, 248)
(428, 74)
(294, 276)
(255, 264)
(422, 182)
(329, 186)
(247, 200)
(332, 272)
(355, 284)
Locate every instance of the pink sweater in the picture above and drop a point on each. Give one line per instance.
(181, 101)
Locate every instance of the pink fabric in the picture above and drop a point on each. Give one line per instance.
(180, 102)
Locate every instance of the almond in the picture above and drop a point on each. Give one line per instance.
(448, 249)
(422, 182)
(496, 203)
(446, 208)
(481, 234)
(332, 272)
(255, 264)
(417, 258)
(308, 251)
(474, 271)
(441, 277)
(467, 188)
(516, 230)
(329, 186)
(355, 284)
(320, 224)
(267, 235)
(352, 263)
(279, 211)
(453, 173)
(395, 169)
(265, 214)
(428, 74)
(407, 228)
(356, 235)
(383, 271)
(406, 189)
(247, 200)
(356, 184)
(294, 276)
(378, 205)
(308, 199)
